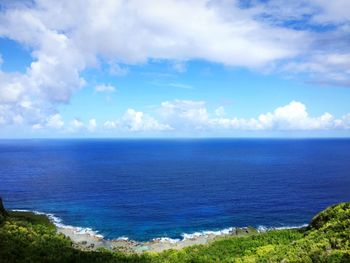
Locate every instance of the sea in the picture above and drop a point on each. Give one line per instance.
(151, 188)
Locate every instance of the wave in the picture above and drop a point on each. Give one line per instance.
(225, 231)
(185, 236)
(264, 228)
(230, 230)
(166, 240)
(58, 223)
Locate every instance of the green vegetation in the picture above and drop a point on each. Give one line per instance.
(3, 212)
(25, 237)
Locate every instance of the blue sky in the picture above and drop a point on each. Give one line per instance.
(174, 69)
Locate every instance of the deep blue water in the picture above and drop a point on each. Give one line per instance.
(154, 188)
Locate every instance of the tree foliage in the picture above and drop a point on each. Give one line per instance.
(25, 237)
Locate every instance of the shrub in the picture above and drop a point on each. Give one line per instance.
(26, 237)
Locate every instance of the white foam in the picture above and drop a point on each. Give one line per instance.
(291, 227)
(166, 240)
(262, 229)
(58, 223)
(185, 236)
(230, 230)
(123, 238)
(225, 231)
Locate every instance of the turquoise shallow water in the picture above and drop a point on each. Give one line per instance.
(144, 189)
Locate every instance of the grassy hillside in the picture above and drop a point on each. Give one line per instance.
(25, 237)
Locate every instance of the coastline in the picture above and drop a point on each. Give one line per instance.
(88, 239)
(25, 235)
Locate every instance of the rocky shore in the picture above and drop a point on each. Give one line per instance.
(87, 241)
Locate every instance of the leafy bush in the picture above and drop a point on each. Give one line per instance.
(26, 237)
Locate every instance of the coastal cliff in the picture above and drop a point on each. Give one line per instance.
(27, 237)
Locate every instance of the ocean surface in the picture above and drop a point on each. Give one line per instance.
(143, 189)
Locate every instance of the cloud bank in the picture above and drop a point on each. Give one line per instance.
(304, 38)
(193, 117)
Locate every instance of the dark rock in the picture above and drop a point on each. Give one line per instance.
(3, 212)
(91, 246)
(2, 208)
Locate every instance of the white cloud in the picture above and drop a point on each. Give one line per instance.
(85, 33)
(324, 68)
(66, 37)
(332, 11)
(57, 123)
(18, 119)
(11, 92)
(54, 121)
(104, 88)
(326, 24)
(133, 120)
(76, 125)
(294, 117)
(110, 125)
(92, 125)
(182, 114)
(343, 123)
(220, 111)
(37, 126)
(191, 117)
(187, 115)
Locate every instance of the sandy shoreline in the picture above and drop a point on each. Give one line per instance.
(87, 241)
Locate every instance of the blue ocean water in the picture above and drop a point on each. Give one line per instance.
(144, 189)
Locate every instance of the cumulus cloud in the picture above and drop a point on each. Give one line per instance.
(291, 117)
(110, 125)
(54, 121)
(191, 117)
(92, 125)
(134, 120)
(67, 37)
(294, 117)
(57, 124)
(182, 114)
(77, 124)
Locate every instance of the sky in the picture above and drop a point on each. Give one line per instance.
(174, 68)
